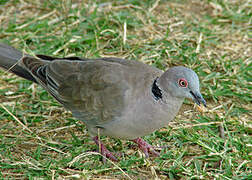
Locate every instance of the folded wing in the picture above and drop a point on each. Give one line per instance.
(93, 90)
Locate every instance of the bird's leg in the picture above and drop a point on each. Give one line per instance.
(145, 147)
(103, 150)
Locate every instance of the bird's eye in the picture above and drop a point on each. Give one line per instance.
(182, 82)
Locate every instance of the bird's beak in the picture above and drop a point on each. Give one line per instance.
(198, 98)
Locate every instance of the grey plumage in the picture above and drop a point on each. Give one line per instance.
(124, 99)
(9, 57)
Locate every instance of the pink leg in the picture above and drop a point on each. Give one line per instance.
(103, 150)
(145, 147)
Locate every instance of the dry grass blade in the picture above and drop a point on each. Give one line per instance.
(95, 153)
(14, 117)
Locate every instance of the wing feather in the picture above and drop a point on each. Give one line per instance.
(93, 90)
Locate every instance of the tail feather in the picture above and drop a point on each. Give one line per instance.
(9, 58)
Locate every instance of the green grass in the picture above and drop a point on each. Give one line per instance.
(39, 139)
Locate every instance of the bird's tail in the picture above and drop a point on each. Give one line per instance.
(9, 58)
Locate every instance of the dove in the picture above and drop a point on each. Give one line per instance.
(118, 98)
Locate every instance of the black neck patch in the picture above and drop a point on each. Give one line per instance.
(156, 91)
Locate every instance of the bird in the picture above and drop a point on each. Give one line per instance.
(118, 98)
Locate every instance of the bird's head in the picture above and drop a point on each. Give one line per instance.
(182, 82)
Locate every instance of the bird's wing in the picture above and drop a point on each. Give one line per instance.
(93, 90)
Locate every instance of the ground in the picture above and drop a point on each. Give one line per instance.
(39, 139)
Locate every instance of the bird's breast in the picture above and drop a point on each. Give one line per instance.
(142, 118)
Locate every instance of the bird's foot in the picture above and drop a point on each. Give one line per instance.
(145, 147)
(103, 150)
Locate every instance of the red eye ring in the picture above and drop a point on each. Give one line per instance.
(182, 82)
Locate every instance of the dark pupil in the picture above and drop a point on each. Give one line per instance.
(182, 83)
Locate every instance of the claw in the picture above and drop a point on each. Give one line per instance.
(145, 147)
(104, 151)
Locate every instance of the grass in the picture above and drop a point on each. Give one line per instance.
(39, 139)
